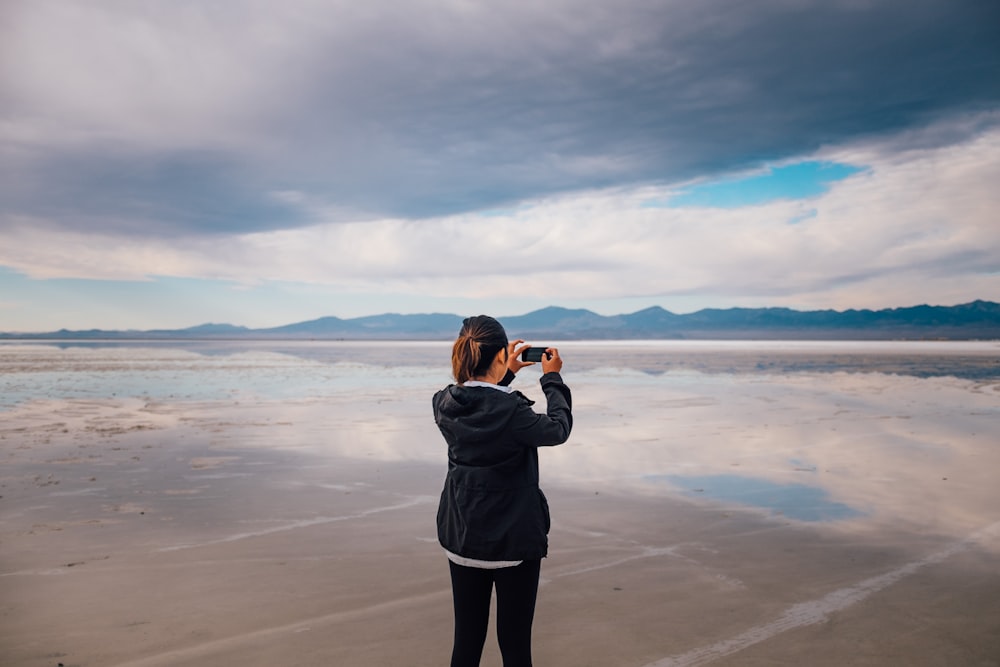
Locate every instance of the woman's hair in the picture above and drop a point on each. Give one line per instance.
(477, 344)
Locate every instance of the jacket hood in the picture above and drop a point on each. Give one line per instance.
(474, 413)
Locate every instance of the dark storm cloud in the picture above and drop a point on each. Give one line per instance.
(426, 109)
(149, 194)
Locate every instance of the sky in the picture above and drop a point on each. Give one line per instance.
(167, 163)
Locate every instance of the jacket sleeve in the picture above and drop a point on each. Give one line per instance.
(552, 428)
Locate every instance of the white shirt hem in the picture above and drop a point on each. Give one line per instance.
(481, 564)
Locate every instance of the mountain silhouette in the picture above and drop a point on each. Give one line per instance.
(974, 320)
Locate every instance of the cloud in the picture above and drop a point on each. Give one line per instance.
(911, 227)
(184, 118)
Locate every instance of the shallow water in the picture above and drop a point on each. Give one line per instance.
(256, 503)
(803, 431)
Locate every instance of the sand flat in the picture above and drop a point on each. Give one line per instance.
(699, 518)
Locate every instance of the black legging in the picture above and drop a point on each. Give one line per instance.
(472, 588)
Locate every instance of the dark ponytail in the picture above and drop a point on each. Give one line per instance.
(479, 341)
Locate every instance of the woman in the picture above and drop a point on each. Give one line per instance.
(493, 520)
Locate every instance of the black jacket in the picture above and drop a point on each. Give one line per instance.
(491, 507)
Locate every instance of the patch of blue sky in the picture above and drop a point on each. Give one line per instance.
(811, 213)
(800, 180)
(501, 212)
(32, 305)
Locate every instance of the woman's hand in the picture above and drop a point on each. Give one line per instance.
(514, 363)
(551, 362)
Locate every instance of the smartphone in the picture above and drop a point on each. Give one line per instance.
(534, 354)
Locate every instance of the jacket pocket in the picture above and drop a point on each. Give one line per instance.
(543, 501)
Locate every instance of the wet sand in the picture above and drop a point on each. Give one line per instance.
(141, 532)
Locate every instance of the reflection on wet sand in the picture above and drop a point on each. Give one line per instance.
(964, 359)
(740, 506)
(892, 449)
(795, 501)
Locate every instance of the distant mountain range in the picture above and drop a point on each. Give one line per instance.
(975, 320)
